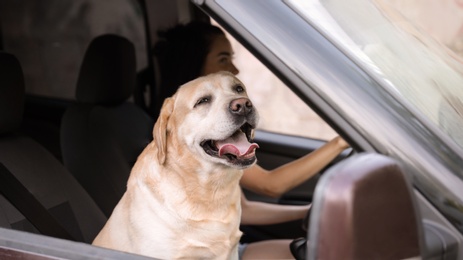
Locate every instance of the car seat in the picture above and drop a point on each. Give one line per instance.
(37, 169)
(103, 133)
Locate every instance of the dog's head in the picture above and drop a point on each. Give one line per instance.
(210, 119)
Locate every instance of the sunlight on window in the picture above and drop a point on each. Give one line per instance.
(280, 109)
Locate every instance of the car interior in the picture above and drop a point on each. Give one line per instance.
(64, 162)
(38, 172)
(70, 159)
(102, 128)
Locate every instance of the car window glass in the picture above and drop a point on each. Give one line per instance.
(280, 110)
(404, 58)
(50, 37)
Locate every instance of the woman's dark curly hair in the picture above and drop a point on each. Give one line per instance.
(181, 52)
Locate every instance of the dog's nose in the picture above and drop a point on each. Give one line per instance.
(240, 106)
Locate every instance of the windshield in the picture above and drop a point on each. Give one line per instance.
(404, 58)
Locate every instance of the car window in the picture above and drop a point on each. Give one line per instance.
(408, 62)
(281, 111)
(49, 37)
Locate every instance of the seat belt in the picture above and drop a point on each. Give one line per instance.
(18, 195)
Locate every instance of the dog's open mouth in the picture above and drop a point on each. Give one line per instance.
(237, 149)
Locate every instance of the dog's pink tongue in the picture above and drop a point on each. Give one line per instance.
(237, 145)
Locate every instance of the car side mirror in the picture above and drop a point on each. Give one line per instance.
(364, 208)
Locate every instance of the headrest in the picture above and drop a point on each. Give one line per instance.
(11, 93)
(108, 72)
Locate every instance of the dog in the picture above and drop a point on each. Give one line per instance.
(183, 194)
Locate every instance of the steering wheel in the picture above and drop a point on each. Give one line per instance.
(351, 152)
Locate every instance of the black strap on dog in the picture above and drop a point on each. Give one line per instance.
(20, 197)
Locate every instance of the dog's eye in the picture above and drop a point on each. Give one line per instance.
(239, 89)
(203, 100)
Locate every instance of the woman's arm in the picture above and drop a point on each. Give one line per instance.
(278, 181)
(261, 213)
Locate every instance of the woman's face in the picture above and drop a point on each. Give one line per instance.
(219, 57)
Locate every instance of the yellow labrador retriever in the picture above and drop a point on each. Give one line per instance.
(183, 195)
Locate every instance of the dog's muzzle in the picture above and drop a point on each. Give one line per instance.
(238, 149)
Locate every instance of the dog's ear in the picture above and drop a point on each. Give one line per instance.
(160, 129)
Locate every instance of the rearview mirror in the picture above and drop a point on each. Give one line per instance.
(364, 208)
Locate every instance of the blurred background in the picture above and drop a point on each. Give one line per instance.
(443, 19)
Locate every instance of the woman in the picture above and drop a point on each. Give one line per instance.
(186, 52)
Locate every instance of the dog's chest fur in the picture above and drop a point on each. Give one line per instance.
(178, 215)
(183, 196)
